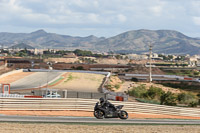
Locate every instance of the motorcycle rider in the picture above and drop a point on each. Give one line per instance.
(106, 104)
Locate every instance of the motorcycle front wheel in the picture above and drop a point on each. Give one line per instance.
(98, 114)
(123, 114)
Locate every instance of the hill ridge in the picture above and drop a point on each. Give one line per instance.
(134, 41)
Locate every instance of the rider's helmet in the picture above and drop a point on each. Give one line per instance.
(101, 100)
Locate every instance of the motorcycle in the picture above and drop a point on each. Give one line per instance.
(109, 112)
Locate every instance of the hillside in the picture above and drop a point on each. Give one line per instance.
(42, 39)
(21, 46)
(163, 41)
(135, 41)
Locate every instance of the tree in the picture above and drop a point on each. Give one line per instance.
(82, 52)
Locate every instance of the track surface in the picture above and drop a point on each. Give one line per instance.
(5, 118)
(34, 80)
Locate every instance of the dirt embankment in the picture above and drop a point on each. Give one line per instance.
(141, 69)
(164, 88)
(112, 61)
(65, 60)
(114, 83)
(4, 70)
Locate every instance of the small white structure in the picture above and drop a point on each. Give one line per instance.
(5, 88)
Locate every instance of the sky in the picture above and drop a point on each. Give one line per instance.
(99, 17)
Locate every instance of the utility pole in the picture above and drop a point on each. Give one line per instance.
(150, 54)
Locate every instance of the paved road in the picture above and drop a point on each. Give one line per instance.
(4, 118)
(35, 80)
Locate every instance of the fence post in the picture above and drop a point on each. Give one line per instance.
(65, 94)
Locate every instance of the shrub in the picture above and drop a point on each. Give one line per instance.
(193, 104)
(109, 87)
(198, 95)
(117, 86)
(168, 99)
(138, 91)
(181, 97)
(196, 73)
(186, 98)
(154, 92)
(134, 79)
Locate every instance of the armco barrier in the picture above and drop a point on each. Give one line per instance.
(88, 105)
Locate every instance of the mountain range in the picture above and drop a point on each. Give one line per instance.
(135, 41)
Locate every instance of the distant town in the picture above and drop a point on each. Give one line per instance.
(22, 53)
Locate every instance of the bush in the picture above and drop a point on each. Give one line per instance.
(138, 91)
(79, 68)
(154, 92)
(193, 104)
(196, 73)
(168, 99)
(117, 86)
(181, 97)
(186, 98)
(134, 79)
(109, 87)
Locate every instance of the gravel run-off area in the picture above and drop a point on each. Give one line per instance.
(78, 128)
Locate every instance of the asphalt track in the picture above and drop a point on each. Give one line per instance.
(92, 120)
(42, 76)
(34, 80)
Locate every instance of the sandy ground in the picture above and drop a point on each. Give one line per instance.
(80, 82)
(127, 85)
(70, 128)
(115, 83)
(66, 60)
(112, 61)
(13, 77)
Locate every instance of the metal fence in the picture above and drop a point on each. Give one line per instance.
(88, 105)
(11, 95)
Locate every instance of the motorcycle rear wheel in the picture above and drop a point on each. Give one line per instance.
(123, 114)
(98, 114)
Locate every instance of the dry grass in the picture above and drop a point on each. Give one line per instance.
(115, 83)
(80, 82)
(66, 60)
(68, 128)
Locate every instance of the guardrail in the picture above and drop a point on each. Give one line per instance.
(88, 105)
(11, 95)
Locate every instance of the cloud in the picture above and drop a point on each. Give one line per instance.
(115, 15)
(121, 18)
(196, 20)
(157, 10)
(93, 18)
